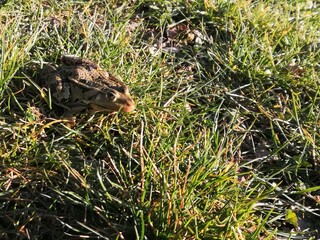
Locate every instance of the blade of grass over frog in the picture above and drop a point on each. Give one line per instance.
(47, 125)
(40, 89)
(13, 95)
(72, 131)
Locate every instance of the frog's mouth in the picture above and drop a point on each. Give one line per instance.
(113, 107)
(128, 108)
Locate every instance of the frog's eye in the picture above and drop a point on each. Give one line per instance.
(111, 95)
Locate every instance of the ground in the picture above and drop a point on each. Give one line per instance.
(223, 144)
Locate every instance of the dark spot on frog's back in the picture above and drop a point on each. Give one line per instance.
(90, 67)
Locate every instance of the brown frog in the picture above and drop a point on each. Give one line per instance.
(81, 84)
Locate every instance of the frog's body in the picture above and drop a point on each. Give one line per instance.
(81, 84)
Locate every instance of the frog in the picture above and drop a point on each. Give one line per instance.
(80, 84)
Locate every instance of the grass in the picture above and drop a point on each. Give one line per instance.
(224, 143)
